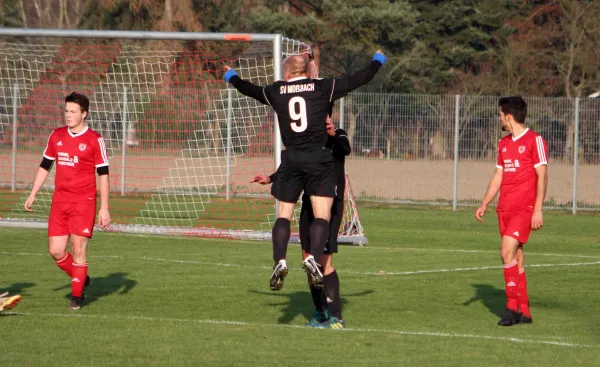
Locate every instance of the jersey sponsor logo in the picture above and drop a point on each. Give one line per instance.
(86, 231)
(522, 149)
(516, 233)
(65, 160)
(509, 166)
(76, 280)
(59, 144)
(297, 88)
(82, 146)
(504, 150)
(511, 284)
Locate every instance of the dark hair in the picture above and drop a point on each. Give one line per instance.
(515, 106)
(80, 99)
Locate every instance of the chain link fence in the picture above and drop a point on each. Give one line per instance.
(441, 149)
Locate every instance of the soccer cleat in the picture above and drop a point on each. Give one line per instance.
(314, 272)
(524, 319)
(76, 303)
(332, 323)
(8, 302)
(280, 271)
(510, 318)
(319, 318)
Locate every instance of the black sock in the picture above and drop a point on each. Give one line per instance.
(281, 237)
(318, 296)
(319, 233)
(332, 292)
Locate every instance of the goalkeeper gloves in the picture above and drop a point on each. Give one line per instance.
(229, 74)
(379, 57)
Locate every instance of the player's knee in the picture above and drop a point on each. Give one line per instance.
(327, 264)
(57, 253)
(328, 269)
(507, 255)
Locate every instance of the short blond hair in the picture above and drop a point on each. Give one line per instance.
(295, 65)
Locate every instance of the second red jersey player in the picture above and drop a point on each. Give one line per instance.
(521, 177)
(77, 158)
(79, 153)
(518, 156)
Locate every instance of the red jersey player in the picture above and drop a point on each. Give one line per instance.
(521, 177)
(79, 153)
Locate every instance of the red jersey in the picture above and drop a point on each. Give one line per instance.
(519, 156)
(77, 157)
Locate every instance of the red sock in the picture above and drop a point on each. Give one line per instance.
(78, 279)
(523, 297)
(66, 264)
(511, 281)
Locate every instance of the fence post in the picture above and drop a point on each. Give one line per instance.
(228, 157)
(124, 143)
(456, 136)
(342, 107)
(576, 155)
(13, 184)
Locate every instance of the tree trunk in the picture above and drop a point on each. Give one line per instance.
(168, 15)
(23, 15)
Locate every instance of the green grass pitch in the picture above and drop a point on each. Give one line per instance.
(427, 291)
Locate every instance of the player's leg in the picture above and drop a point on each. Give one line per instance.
(281, 236)
(522, 221)
(319, 232)
(321, 187)
(81, 226)
(317, 293)
(508, 253)
(330, 276)
(523, 297)
(321, 314)
(306, 218)
(80, 278)
(286, 190)
(58, 236)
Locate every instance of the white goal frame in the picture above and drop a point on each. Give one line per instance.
(276, 40)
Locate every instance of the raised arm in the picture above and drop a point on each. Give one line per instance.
(342, 86)
(246, 88)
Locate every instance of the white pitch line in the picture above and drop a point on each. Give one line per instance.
(357, 330)
(372, 273)
(478, 251)
(454, 270)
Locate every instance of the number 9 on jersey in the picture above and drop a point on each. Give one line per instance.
(297, 108)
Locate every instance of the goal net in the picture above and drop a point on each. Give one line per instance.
(183, 146)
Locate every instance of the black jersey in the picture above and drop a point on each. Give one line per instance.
(302, 104)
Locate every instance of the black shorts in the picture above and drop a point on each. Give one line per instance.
(307, 216)
(312, 172)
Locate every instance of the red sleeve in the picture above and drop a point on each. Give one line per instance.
(50, 152)
(499, 163)
(540, 152)
(100, 156)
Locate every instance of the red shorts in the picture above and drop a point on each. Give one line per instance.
(515, 224)
(72, 218)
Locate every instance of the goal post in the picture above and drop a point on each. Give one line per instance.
(182, 144)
